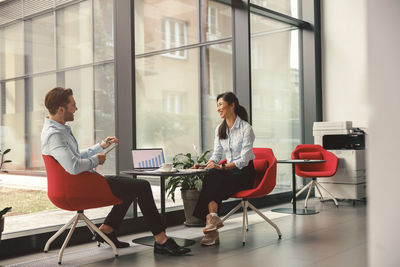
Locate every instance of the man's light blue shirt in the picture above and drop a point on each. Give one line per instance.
(59, 142)
(238, 146)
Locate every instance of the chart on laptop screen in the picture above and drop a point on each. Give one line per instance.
(147, 158)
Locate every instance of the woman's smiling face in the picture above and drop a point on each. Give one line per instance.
(224, 108)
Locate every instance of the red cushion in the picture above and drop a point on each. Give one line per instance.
(260, 165)
(310, 155)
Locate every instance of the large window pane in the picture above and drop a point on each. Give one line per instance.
(65, 38)
(104, 111)
(167, 103)
(165, 24)
(81, 82)
(40, 85)
(43, 50)
(275, 94)
(74, 35)
(12, 129)
(12, 51)
(103, 30)
(287, 7)
(217, 79)
(217, 22)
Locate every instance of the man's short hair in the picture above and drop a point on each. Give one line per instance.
(57, 97)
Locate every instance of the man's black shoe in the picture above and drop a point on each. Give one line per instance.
(112, 237)
(170, 247)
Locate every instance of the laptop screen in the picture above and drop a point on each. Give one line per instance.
(147, 158)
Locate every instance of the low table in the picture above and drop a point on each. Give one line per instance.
(294, 210)
(149, 240)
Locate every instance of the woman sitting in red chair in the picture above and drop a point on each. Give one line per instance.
(235, 137)
(59, 142)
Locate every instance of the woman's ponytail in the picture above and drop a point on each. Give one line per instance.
(242, 113)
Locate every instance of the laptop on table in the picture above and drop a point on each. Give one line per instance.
(147, 159)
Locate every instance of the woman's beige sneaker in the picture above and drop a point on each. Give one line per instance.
(212, 223)
(210, 239)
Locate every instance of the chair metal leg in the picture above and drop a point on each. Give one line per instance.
(331, 196)
(58, 233)
(302, 190)
(319, 191)
(238, 206)
(94, 227)
(92, 231)
(308, 194)
(244, 205)
(71, 231)
(247, 221)
(266, 219)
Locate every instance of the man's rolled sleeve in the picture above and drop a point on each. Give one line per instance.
(91, 151)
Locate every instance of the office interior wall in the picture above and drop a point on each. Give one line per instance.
(384, 143)
(344, 71)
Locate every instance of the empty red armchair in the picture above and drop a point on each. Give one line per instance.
(265, 181)
(320, 170)
(86, 190)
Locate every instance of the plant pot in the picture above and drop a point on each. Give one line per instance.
(190, 198)
(1, 226)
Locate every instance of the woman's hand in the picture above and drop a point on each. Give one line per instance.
(212, 165)
(198, 166)
(195, 166)
(108, 141)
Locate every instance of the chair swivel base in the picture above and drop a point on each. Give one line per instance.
(244, 204)
(79, 216)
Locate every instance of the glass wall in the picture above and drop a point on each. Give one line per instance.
(69, 46)
(178, 78)
(183, 60)
(178, 75)
(176, 89)
(275, 90)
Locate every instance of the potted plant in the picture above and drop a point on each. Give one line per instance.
(190, 185)
(5, 210)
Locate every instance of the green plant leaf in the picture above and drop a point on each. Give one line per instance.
(203, 157)
(6, 151)
(198, 185)
(7, 161)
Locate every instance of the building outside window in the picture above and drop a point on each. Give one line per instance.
(212, 17)
(174, 35)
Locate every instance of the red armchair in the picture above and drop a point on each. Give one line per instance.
(86, 190)
(320, 170)
(265, 167)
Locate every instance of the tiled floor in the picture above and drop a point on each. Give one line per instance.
(334, 237)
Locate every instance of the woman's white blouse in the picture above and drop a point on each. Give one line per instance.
(237, 147)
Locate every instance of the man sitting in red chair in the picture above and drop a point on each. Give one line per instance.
(59, 142)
